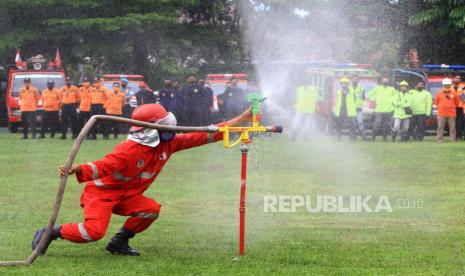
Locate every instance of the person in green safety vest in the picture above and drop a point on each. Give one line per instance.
(359, 92)
(383, 96)
(402, 103)
(345, 110)
(422, 102)
(306, 100)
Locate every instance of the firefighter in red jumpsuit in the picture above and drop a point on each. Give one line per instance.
(116, 183)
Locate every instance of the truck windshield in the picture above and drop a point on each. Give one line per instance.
(39, 81)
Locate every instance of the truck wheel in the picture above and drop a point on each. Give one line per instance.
(13, 127)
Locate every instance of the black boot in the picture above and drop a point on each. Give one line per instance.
(119, 244)
(39, 234)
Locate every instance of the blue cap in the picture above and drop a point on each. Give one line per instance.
(124, 80)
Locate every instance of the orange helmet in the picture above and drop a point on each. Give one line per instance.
(152, 113)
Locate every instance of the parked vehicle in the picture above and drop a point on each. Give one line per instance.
(325, 78)
(40, 71)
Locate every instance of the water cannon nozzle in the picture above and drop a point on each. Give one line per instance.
(274, 129)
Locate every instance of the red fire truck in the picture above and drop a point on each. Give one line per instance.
(40, 71)
(325, 78)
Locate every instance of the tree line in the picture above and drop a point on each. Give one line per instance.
(177, 38)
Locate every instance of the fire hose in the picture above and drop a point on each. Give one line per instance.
(69, 162)
(244, 137)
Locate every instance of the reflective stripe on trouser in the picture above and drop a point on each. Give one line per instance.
(75, 232)
(98, 209)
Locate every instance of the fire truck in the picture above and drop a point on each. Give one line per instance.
(325, 78)
(40, 71)
(432, 75)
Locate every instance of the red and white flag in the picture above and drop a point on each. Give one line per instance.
(58, 59)
(18, 61)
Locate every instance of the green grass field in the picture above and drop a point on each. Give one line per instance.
(197, 232)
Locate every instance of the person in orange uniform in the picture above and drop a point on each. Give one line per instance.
(98, 97)
(84, 104)
(51, 118)
(28, 97)
(457, 88)
(446, 101)
(114, 107)
(116, 183)
(69, 103)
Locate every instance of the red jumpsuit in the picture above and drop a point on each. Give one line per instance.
(115, 185)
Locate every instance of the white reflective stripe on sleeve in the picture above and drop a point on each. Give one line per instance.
(121, 177)
(99, 183)
(83, 232)
(146, 175)
(146, 215)
(210, 138)
(94, 170)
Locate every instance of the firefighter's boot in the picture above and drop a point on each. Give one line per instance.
(119, 244)
(40, 233)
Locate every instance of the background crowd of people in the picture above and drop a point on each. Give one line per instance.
(398, 112)
(70, 106)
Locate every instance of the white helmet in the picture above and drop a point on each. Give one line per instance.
(446, 81)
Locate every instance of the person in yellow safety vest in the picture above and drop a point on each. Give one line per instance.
(345, 110)
(359, 92)
(422, 102)
(402, 103)
(383, 96)
(306, 99)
